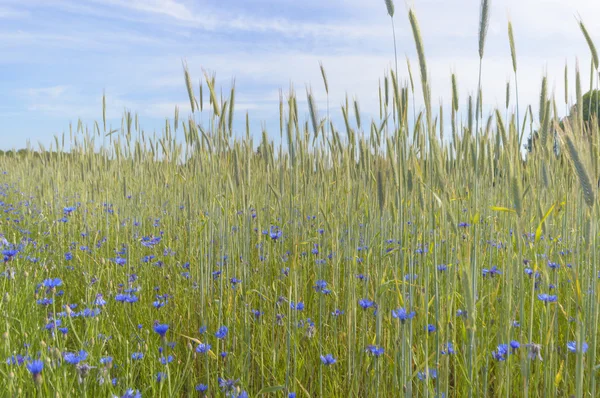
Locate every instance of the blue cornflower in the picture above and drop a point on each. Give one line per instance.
(106, 360)
(402, 314)
(514, 345)
(9, 254)
(160, 376)
(547, 298)
(328, 359)
(366, 303)
(137, 356)
(203, 348)
(100, 302)
(292, 395)
(35, 367)
(131, 393)
(68, 256)
(45, 301)
(274, 232)
(442, 267)
(201, 387)
(52, 283)
(16, 360)
(430, 328)
(315, 249)
(74, 358)
(161, 329)
(410, 277)
(166, 360)
(430, 373)
(449, 350)
(501, 352)
(553, 265)
(572, 347)
(227, 385)
(320, 285)
(491, 272)
(375, 351)
(119, 261)
(222, 332)
(158, 304)
(53, 324)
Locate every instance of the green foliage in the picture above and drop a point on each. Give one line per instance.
(591, 105)
(479, 245)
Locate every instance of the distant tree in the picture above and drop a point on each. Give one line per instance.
(591, 106)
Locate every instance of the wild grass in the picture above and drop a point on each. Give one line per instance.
(384, 262)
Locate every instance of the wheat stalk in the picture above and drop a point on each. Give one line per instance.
(580, 170)
(389, 4)
(590, 43)
(422, 61)
(513, 52)
(188, 84)
(314, 116)
(484, 19)
(454, 93)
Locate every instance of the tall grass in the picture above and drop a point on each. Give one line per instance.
(419, 266)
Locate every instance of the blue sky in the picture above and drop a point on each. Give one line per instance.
(59, 56)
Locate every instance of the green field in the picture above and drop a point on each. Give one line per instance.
(434, 255)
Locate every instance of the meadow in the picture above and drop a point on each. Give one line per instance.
(404, 256)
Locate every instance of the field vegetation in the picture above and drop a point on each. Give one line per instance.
(435, 255)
